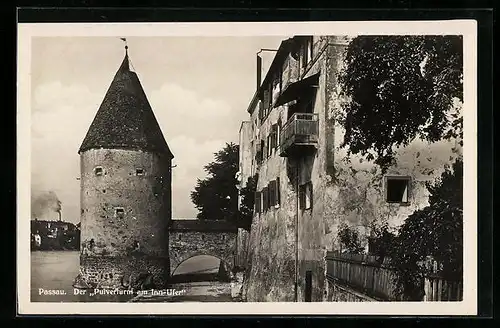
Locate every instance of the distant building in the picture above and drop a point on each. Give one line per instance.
(125, 190)
(54, 235)
(306, 186)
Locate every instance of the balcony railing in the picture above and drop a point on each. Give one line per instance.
(299, 134)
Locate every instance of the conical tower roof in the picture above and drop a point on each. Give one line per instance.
(125, 119)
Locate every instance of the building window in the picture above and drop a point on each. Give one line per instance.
(119, 212)
(274, 136)
(139, 171)
(397, 189)
(179, 237)
(98, 171)
(271, 189)
(309, 49)
(305, 196)
(306, 52)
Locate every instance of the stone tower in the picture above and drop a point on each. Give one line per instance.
(125, 197)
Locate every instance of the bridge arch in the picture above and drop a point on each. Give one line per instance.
(174, 264)
(190, 238)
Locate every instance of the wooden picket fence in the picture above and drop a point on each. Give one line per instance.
(438, 289)
(365, 274)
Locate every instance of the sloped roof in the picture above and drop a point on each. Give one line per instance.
(125, 119)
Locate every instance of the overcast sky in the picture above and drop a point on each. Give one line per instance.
(199, 89)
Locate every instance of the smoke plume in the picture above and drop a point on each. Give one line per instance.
(43, 203)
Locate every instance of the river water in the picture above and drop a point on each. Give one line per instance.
(56, 270)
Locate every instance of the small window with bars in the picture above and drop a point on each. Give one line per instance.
(98, 171)
(119, 212)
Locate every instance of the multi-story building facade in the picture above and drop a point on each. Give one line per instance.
(307, 184)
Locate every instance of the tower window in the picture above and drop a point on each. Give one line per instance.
(305, 196)
(397, 189)
(119, 212)
(98, 170)
(139, 171)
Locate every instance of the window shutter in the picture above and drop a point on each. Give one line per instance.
(261, 110)
(272, 193)
(257, 202)
(278, 192)
(278, 132)
(266, 146)
(270, 98)
(265, 198)
(266, 99)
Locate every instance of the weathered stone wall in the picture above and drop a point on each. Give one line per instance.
(137, 271)
(187, 244)
(271, 246)
(145, 200)
(245, 155)
(242, 248)
(346, 189)
(311, 169)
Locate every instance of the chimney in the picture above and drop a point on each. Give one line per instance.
(59, 212)
(259, 71)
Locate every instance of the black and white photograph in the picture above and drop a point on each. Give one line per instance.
(274, 164)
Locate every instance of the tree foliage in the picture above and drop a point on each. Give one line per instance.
(247, 202)
(400, 87)
(436, 232)
(216, 197)
(350, 240)
(380, 241)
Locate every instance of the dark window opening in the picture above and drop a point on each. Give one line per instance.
(119, 212)
(104, 191)
(308, 296)
(139, 171)
(304, 102)
(179, 237)
(305, 196)
(202, 237)
(98, 171)
(397, 189)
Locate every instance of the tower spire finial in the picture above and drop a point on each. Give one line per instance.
(126, 46)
